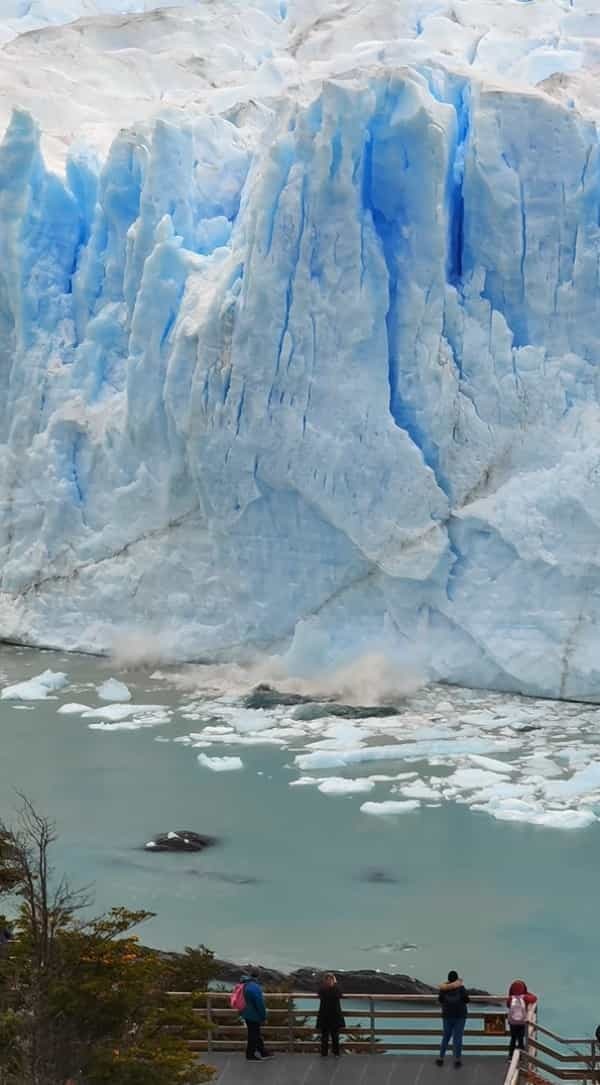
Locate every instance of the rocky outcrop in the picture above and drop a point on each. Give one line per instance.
(182, 840)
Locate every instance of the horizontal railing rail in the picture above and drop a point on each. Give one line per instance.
(399, 1024)
(374, 1023)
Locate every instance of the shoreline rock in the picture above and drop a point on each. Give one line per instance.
(360, 981)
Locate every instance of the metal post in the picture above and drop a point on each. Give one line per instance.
(209, 1022)
(373, 1042)
(291, 1026)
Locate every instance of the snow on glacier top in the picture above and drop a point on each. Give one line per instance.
(130, 58)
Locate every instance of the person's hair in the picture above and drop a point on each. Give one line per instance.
(329, 979)
(254, 973)
(452, 976)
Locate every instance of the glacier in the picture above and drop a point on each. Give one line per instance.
(302, 359)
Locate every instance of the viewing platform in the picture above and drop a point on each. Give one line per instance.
(355, 1070)
(388, 1040)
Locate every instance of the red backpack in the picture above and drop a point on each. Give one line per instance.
(237, 999)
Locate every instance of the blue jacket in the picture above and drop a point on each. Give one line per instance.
(255, 1004)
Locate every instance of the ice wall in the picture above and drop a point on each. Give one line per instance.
(323, 389)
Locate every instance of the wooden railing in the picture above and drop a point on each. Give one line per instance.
(374, 1023)
(561, 1058)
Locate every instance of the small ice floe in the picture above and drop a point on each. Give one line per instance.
(73, 709)
(35, 689)
(338, 785)
(113, 690)
(491, 764)
(220, 764)
(419, 789)
(383, 809)
(117, 712)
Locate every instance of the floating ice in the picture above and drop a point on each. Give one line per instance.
(419, 790)
(491, 764)
(338, 785)
(73, 709)
(402, 751)
(116, 712)
(113, 690)
(382, 809)
(35, 689)
(220, 764)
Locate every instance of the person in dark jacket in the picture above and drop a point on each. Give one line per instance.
(255, 1015)
(453, 999)
(330, 1019)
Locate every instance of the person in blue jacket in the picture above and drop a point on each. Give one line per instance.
(255, 1015)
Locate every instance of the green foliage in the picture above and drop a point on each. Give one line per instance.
(82, 1001)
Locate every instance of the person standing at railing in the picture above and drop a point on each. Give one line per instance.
(518, 1001)
(453, 999)
(254, 1014)
(330, 1019)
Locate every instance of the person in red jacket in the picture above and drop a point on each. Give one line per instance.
(518, 1001)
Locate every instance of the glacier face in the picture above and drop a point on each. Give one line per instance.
(311, 367)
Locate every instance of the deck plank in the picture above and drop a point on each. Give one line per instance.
(356, 1070)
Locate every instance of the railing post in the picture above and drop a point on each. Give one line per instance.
(209, 1043)
(531, 1050)
(291, 1023)
(373, 1040)
(593, 1059)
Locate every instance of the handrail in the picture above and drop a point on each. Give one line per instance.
(384, 1023)
(397, 1024)
(514, 1067)
(433, 997)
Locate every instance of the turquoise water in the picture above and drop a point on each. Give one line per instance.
(288, 885)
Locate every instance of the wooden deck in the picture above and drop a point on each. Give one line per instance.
(357, 1070)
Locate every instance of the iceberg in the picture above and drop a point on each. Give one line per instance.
(303, 359)
(35, 689)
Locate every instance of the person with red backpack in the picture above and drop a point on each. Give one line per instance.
(247, 999)
(518, 1001)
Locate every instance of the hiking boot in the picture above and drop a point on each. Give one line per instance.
(439, 1062)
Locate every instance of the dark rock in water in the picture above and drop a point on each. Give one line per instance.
(314, 710)
(182, 840)
(390, 947)
(362, 712)
(221, 876)
(264, 696)
(378, 877)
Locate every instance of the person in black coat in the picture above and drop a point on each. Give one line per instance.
(330, 1019)
(453, 999)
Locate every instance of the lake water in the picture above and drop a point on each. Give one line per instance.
(305, 877)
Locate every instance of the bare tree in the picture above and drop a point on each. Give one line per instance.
(46, 909)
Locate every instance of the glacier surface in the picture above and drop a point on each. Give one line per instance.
(299, 334)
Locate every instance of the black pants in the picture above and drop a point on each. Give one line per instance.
(517, 1037)
(255, 1040)
(335, 1041)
